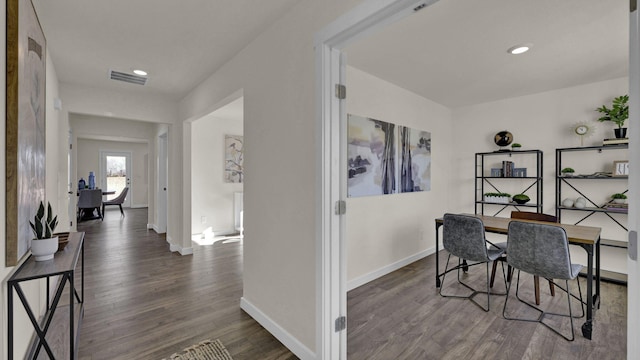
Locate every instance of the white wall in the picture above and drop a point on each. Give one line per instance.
(35, 291)
(544, 121)
(212, 197)
(276, 73)
(158, 110)
(89, 160)
(389, 231)
(135, 136)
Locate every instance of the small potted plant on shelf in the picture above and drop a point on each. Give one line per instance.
(515, 147)
(521, 199)
(499, 197)
(618, 114)
(567, 171)
(619, 198)
(44, 245)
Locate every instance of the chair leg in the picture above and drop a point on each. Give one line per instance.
(536, 288)
(552, 288)
(121, 211)
(493, 272)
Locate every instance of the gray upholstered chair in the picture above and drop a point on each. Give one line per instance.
(118, 200)
(464, 237)
(525, 215)
(88, 202)
(542, 250)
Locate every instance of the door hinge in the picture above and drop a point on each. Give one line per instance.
(341, 323)
(70, 146)
(632, 248)
(341, 207)
(341, 91)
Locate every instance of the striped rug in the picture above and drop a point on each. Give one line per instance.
(206, 350)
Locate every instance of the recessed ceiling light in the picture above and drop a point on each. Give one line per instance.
(140, 72)
(519, 49)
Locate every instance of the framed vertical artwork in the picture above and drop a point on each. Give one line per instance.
(371, 156)
(414, 148)
(25, 125)
(233, 159)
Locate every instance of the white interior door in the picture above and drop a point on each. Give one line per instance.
(161, 221)
(115, 174)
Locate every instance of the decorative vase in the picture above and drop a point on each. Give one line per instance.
(43, 249)
(619, 201)
(567, 203)
(520, 201)
(620, 133)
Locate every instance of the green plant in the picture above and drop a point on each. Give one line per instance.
(618, 113)
(498, 194)
(515, 145)
(618, 196)
(567, 170)
(43, 227)
(521, 197)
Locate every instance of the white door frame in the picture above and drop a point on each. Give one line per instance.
(161, 186)
(330, 268)
(102, 179)
(633, 267)
(331, 117)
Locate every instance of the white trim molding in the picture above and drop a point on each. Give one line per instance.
(361, 280)
(276, 330)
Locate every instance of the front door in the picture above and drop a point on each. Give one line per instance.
(116, 174)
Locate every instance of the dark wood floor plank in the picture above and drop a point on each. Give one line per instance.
(402, 316)
(145, 302)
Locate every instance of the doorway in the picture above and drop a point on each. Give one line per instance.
(330, 64)
(162, 184)
(116, 174)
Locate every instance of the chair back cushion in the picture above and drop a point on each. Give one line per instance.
(463, 236)
(539, 249)
(90, 199)
(533, 216)
(118, 200)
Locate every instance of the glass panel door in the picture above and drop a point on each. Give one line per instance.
(116, 175)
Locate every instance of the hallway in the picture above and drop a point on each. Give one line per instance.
(144, 302)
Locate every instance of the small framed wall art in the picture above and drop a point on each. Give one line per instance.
(621, 168)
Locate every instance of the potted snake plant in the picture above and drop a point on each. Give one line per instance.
(44, 244)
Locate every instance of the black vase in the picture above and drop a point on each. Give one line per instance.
(620, 133)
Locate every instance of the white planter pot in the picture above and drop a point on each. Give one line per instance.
(44, 249)
(619, 201)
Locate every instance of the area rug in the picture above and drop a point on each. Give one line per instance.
(206, 350)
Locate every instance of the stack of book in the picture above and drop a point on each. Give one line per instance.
(611, 206)
(507, 168)
(615, 141)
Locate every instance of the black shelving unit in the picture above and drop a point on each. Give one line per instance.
(577, 184)
(573, 182)
(484, 183)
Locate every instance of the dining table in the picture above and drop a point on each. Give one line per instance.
(587, 237)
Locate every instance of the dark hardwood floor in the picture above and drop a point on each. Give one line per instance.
(402, 316)
(144, 302)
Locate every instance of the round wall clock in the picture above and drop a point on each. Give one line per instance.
(583, 130)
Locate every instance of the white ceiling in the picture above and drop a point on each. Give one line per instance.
(453, 52)
(179, 43)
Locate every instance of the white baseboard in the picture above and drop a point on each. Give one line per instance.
(276, 330)
(139, 206)
(150, 226)
(361, 280)
(186, 251)
(157, 229)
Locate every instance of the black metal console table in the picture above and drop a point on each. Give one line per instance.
(64, 265)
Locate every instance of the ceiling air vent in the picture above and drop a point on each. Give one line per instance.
(130, 78)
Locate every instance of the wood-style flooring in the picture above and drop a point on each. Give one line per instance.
(402, 316)
(144, 302)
